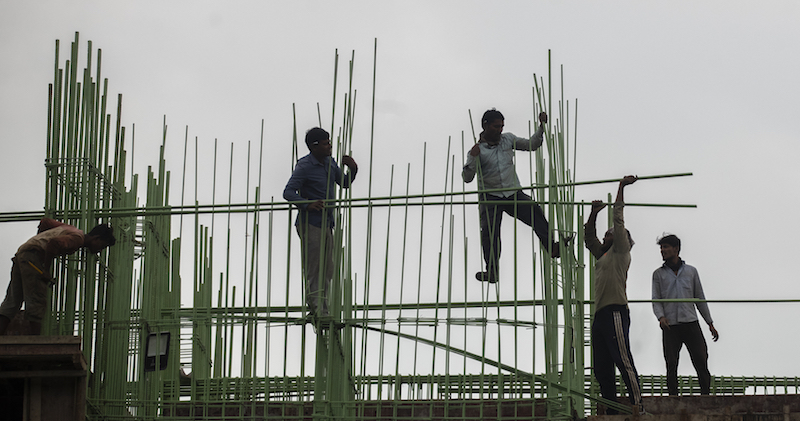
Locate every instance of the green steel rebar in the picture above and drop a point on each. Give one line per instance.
(135, 288)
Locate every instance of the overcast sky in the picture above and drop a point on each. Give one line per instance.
(663, 87)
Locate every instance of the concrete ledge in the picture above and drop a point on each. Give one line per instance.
(715, 408)
(42, 378)
(715, 405)
(36, 353)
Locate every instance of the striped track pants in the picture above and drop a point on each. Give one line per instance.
(611, 347)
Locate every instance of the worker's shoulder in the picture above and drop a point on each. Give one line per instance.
(689, 268)
(304, 162)
(46, 224)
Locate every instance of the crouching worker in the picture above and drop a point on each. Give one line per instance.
(30, 273)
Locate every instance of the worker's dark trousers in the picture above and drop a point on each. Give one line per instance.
(491, 214)
(611, 346)
(692, 335)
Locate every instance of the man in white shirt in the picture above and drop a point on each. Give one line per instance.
(492, 158)
(679, 324)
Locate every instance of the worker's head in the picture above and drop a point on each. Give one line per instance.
(319, 142)
(99, 237)
(490, 116)
(670, 246)
(492, 124)
(608, 239)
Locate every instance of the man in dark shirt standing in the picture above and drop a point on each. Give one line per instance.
(313, 182)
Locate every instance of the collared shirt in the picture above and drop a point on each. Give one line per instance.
(315, 180)
(684, 284)
(495, 164)
(611, 268)
(59, 237)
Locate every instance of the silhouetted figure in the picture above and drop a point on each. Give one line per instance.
(315, 178)
(612, 320)
(30, 273)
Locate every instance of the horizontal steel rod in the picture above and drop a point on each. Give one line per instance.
(20, 216)
(277, 206)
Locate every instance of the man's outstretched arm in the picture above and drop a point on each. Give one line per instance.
(628, 179)
(590, 230)
(621, 240)
(532, 144)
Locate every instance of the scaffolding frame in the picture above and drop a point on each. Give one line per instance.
(240, 338)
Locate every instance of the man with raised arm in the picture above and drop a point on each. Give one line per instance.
(611, 325)
(678, 321)
(30, 272)
(492, 158)
(314, 179)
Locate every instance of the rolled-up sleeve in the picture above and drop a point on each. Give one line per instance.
(532, 144)
(342, 179)
(469, 169)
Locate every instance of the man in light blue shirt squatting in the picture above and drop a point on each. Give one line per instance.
(679, 324)
(314, 180)
(492, 158)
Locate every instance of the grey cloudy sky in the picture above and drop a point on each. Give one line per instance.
(706, 87)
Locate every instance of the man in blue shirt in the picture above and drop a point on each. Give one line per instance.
(679, 324)
(311, 187)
